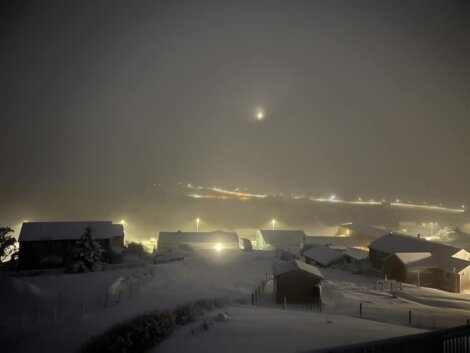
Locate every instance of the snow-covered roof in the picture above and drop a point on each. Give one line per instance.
(218, 236)
(323, 255)
(283, 267)
(40, 231)
(332, 240)
(356, 254)
(408, 258)
(282, 236)
(428, 260)
(399, 243)
(369, 231)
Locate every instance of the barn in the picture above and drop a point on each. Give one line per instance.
(218, 240)
(48, 244)
(267, 239)
(297, 282)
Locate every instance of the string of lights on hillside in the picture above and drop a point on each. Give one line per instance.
(219, 193)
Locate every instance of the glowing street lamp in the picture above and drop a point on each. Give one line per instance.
(123, 222)
(218, 247)
(274, 223)
(197, 224)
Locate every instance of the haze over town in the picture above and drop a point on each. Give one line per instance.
(259, 175)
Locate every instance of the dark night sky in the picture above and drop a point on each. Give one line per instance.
(361, 98)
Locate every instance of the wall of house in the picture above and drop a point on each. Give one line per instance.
(464, 280)
(434, 278)
(195, 245)
(394, 269)
(297, 287)
(376, 258)
(31, 253)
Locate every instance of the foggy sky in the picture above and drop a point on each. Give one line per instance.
(367, 98)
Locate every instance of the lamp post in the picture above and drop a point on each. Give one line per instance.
(274, 223)
(197, 225)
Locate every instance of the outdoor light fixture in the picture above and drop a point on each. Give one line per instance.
(197, 225)
(218, 247)
(274, 223)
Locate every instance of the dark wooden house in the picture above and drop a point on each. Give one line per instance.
(297, 282)
(421, 262)
(48, 244)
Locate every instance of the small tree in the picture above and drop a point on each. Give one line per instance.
(135, 248)
(86, 254)
(7, 243)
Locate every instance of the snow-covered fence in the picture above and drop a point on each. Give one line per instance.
(33, 310)
(388, 285)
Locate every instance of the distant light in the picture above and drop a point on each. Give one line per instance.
(260, 116)
(397, 200)
(123, 222)
(463, 206)
(274, 223)
(332, 197)
(218, 247)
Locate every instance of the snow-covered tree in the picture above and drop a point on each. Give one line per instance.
(86, 254)
(7, 243)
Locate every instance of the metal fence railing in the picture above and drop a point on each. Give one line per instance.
(452, 340)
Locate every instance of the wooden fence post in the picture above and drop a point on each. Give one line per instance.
(252, 299)
(285, 303)
(409, 317)
(360, 310)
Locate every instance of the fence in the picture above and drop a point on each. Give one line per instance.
(33, 318)
(453, 340)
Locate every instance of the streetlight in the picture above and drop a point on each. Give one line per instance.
(274, 223)
(197, 225)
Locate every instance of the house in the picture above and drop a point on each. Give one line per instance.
(354, 255)
(428, 270)
(361, 233)
(279, 239)
(323, 256)
(297, 282)
(334, 242)
(422, 262)
(218, 240)
(394, 243)
(48, 244)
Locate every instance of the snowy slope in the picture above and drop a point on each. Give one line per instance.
(259, 329)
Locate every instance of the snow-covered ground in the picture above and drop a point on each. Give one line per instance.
(231, 274)
(252, 329)
(430, 308)
(209, 274)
